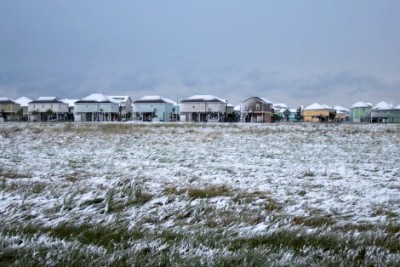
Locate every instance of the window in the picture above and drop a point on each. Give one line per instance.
(246, 107)
(193, 106)
(258, 106)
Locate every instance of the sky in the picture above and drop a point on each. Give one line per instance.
(334, 52)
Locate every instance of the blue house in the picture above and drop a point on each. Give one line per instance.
(155, 108)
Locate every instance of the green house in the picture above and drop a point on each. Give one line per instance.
(360, 112)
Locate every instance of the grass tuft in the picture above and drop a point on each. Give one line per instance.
(208, 192)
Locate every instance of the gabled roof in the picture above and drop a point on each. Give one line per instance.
(120, 99)
(154, 99)
(203, 98)
(383, 106)
(362, 105)
(23, 101)
(6, 100)
(97, 98)
(47, 99)
(341, 109)
(70, 102)
(280, 106)
(317, 106)
(262, 99)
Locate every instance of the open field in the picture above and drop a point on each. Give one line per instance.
(198, 194)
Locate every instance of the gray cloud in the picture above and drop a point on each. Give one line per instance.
(235, 84)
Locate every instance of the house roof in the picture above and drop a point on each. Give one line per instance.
(340, 108)
(121, 98)
(203, 98)
(46, 99)
(266, 101)
(23, 101)
(97, 98)
(317, 106)
(70, 102)
(6, 100)
(383, 106)
(280, 106)
(362, 105)
(154, 99)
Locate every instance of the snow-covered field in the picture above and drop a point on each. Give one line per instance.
(199, 194)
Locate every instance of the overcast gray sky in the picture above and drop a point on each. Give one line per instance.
(334, 52)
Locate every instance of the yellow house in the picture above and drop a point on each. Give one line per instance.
(316, 113)
(8, 109)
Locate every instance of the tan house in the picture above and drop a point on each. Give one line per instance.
(9, 109)
(203, 108)
(316, 113)
(256, 109)
(342, 114)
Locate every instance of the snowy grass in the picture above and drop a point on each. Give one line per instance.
(199, 194)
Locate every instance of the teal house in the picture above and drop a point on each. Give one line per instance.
(360, 112)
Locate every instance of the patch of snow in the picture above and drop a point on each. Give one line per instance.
(158, 98)
(70, 102)
(99, 98)
(383, 106)
(47, 98)
(316, 106)
(7, 99)
(266, 100)
(23, 101)
(341, 109)
(362, 105)
(74, 176)
(120, 99)
(205, 98)
(280, 106)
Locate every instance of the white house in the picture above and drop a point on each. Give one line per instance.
(125, 106)
(155, 108)
(203, 108)
(96, 107)
(48, 108)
